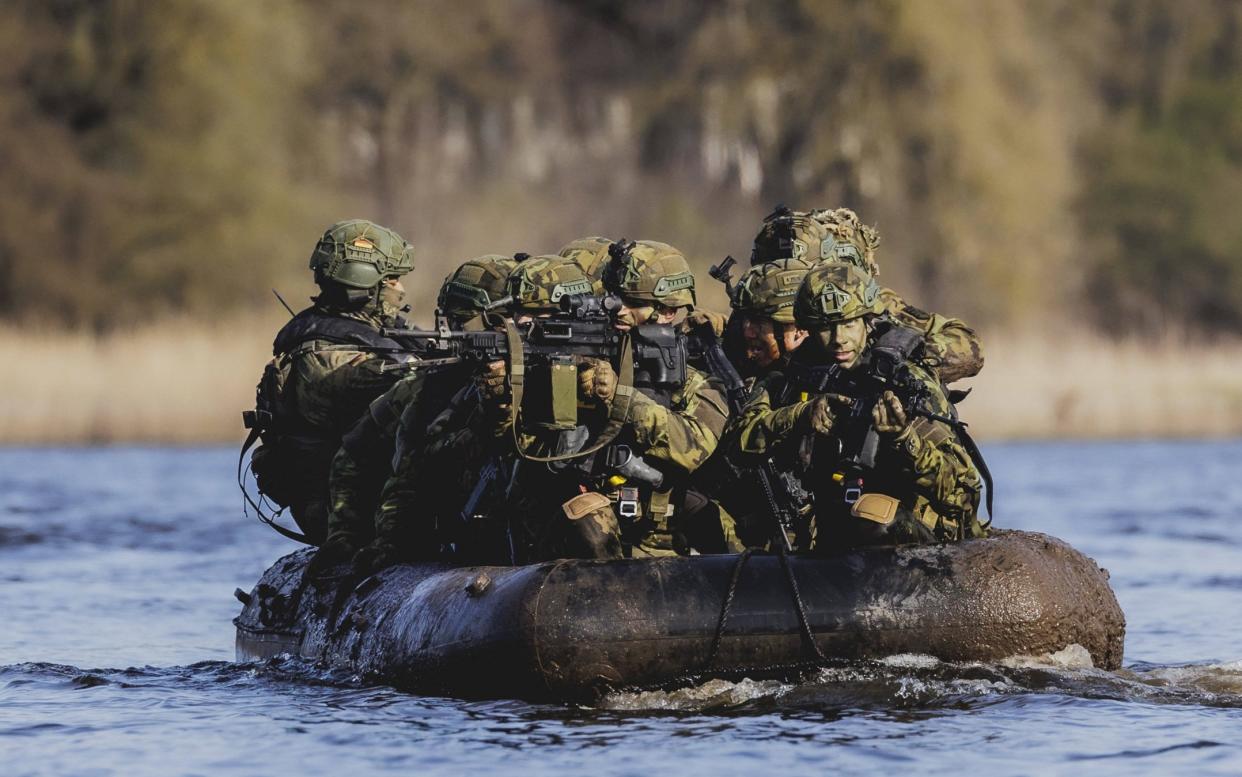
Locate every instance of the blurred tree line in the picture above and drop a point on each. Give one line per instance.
(1024, 161)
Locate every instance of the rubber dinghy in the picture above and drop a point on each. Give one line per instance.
(569, 630)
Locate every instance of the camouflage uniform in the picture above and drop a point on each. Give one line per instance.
(565, 508)
(365, 461)
(330, 362)
(922, 472)
(952, 349)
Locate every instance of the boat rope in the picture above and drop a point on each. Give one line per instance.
(800, 607)
(725, 608)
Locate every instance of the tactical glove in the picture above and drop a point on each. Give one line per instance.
(821, 411)
(706, 320)
(597, 382)
(326, 558)
(491, 381)
(890, 418)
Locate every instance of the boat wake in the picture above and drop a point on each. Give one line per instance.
(923, 682)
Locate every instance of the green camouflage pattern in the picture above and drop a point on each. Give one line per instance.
(769, 289)
(951, 350)
(650, 272)
(538, 284)
(589, 253)
(816, 236)
(835, 292)
(926, 469)
(359, 254)
(474, 285)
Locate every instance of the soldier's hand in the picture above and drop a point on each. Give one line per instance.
(376, 556)
(597, 381)
(707, 320)
(491, 381)
(822, 411)
(889, 416)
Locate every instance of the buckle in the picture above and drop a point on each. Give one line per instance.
(627, 502)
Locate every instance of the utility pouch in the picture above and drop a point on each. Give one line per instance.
(583, 505)
(551, 399)
(877, 508)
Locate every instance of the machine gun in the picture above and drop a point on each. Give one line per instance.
(583, 327)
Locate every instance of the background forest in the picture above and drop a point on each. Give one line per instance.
(1051, 171)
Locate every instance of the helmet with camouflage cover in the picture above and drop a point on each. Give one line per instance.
(477, 283)
(359, 254)
(590, 253)
(649, 272)
(835, 292)
(854, 241)
(538, 284)
(769, 289)
(816, 236)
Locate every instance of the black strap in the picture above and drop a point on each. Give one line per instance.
(262, 516)
(981, 464)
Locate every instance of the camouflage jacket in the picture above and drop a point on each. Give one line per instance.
(330, 384)
(372, 448)
(428, 488)
(927, 470)
(952, 349)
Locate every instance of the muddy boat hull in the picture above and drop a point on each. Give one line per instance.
(569, 630)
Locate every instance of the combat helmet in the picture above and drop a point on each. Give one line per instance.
(769, 289)
(649, 272)
(822, 235)
(854, 241)
(476, 284)
(835, 292)
(359, 254)
(590, 253)
(538, 284)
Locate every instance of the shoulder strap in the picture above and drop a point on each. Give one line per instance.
(312, 324)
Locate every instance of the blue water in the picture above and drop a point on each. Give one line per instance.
(118, 565)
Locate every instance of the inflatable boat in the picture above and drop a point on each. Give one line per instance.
(570, 630)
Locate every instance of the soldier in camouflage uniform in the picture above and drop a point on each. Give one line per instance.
(921, 486)
(365, 460)
(330, 361)
(577, 506)
(953, 349)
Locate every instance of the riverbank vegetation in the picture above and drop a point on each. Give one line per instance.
(1029, 164)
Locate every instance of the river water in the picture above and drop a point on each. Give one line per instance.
(117, 568)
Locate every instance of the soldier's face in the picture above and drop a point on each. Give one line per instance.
(630, 316)
(762, 350)
(844, 341)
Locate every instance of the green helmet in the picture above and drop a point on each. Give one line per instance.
(835, 292)
(816, 236)
(477, 283)
(769, 289)
(359, 254)
(538, 284)
(649, 272)
(590, 253)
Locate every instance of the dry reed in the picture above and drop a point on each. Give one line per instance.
(185, 383)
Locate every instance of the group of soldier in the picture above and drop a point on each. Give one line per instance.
(816, 416)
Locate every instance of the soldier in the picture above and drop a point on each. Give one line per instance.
(762, 304)
(365, 459)
(605, 488)
(896, 473)
(953, 349)
(330, 361)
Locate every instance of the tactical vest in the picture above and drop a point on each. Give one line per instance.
(278, 464)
